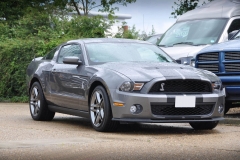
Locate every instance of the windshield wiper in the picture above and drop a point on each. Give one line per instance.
(161, 45)
(189, 43)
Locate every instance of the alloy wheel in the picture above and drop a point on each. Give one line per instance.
(35, 101)
(97, 108)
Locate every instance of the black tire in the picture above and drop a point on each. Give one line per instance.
(38, 105)
(100, 111)
(204, 125)
(228, 105)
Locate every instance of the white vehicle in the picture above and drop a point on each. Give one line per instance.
(212, 23)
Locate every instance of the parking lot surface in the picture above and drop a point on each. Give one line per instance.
(70, 137)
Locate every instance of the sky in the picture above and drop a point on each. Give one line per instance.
(148, 13)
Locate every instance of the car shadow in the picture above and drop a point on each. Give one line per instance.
(135, 128)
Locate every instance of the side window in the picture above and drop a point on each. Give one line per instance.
(50, 55)
(69, 50)
(234, 26)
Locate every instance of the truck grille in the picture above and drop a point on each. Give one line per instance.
(232, 67)
(181, 86)
(209, 67)
(208, 57)
(230, 62)
(232, 56)
(200, 109)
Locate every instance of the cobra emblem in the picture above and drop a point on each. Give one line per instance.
(162, 87)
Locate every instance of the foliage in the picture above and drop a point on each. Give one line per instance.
(84, 6)
(182, 6)
(35, 34)
(130, 33)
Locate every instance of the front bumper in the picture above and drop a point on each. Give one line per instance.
(146, 100)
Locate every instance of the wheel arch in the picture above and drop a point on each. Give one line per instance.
(94, 85)
(34, 79)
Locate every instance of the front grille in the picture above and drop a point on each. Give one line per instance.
(181, 86)
(200, 109)
(208, 57)
(232, 67)
(232, 56)
(209, 67)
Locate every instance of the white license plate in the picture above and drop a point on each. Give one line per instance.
(185, 101)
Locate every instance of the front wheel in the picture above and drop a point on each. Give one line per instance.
(100, 111)
(38, 105)
(204, 125)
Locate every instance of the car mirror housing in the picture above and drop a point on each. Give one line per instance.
(72, 60)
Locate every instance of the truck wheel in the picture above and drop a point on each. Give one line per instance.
(204, 125)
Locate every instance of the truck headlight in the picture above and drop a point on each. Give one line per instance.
(184, 60)
(192, 62)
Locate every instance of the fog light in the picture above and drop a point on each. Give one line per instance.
(220, 109)
(136, 108)
(133, 109)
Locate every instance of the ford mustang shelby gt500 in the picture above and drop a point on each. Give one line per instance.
(113, 80)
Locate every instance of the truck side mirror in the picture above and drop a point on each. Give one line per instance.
(232, 34)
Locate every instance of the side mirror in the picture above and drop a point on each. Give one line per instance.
(232, 34)
(72, 60)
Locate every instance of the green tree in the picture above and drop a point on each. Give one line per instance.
(182, 6)
(84, 6)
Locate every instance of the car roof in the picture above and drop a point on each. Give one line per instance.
(105, 40)
(214, 9)
(232, 45)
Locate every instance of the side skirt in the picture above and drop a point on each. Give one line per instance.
(73, 112)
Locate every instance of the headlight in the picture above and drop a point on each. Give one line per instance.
(192, 63)
(217, 85)
(126, 86)
(129, 86)
(185, 60)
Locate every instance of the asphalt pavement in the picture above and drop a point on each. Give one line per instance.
(71, 137)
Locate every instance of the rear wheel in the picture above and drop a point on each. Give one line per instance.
(204, 125)
(100, 111)
(38, 105)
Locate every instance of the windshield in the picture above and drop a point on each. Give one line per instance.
(154, 39)
(197, 32)
(124, 52)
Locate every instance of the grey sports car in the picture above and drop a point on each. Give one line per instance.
(119, 80)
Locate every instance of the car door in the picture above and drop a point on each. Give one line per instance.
(69, 79)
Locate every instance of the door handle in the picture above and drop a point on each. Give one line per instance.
(54, 70)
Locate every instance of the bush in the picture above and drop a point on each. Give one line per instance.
(35, 36)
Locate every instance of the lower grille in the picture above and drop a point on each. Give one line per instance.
(201, 109)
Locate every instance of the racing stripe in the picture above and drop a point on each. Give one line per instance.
(180, 74)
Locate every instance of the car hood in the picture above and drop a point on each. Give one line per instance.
(146, 71)
(179, 51)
